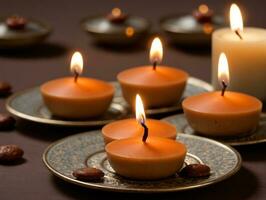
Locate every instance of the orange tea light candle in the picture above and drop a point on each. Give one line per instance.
(159, 86)
(222, 113)
(128, 128)
(77, 97)
(147, 157)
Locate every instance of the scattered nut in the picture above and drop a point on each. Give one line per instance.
(88, 174)
(10, 153)
(6, 122)
(5, 89)
(195, 171)
(16, 22)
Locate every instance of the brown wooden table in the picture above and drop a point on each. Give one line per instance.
(28, 68)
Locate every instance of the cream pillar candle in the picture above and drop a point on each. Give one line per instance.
(246, 53)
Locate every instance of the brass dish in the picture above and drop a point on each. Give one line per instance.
(131, 31)
(34, 32)
(87, 149)
(255, 137)
(184, 30)
(29, 105)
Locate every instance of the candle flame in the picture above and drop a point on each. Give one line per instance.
(236, 21)
(203, 8)
(140, 113)
(76, 65)
(116, 12)
(129, 31)
(156, 51)
(207, 28)
(223, 69)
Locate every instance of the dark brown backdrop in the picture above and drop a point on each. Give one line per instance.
(28, 68)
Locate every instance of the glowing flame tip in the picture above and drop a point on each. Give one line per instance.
(116, 12)
(156, 51)
(203, 8)
(223, 69)
(236, 21)
(140, 113)
(76, 64)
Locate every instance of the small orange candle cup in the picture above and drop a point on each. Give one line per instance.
(67, 99)
(159, 86)
(78, 97)
(128, 128)
(210, 114)
(146, 158)
(154, 159)
(222, 113)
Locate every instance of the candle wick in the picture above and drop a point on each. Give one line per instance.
(145, 135)
(224, 88)
(154, 65)
(76, 76)
(238, 34)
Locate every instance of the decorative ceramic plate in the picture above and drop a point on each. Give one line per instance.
(184, 29)
(194, 86)
(87, 149)
(103, 31)
(257, 136)
(29, 105)
(34, 32)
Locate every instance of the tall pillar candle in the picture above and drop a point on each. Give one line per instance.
(246, 52)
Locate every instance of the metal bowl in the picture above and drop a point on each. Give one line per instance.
(184, 30)
(103, 31)
(33, 33)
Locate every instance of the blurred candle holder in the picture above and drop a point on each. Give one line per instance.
(116, 28)
(193, 28)
(18, 32)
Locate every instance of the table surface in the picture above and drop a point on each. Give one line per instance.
(31, 67)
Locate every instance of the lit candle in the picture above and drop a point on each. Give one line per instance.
(117, 16)
(128, 128)
(145, 157)
(222, 113)
(77, 97)
(246, 52)
(157, 85)
(203, 14)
